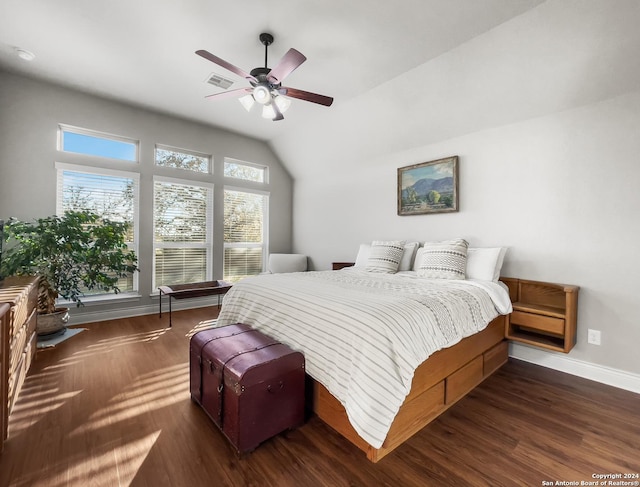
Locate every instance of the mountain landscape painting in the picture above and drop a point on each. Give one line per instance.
(429, 187)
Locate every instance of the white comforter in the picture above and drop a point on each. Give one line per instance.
(364, 334)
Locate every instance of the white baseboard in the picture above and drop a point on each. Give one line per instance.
(599, 373)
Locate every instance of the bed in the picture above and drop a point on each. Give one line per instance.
(385, 352)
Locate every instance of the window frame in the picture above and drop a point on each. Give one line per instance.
(62, 128)
(207, 245)
(265, 226)
(179, 150)
(60, 168)
(254, 165)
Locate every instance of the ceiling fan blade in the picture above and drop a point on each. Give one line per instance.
(306, 96)
(287, 65)
(228, 94)
(221, 62)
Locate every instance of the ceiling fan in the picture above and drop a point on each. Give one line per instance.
(266, 83)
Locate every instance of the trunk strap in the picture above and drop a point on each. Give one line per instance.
(221, 376)
(207, 343)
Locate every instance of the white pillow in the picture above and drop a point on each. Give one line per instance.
(485, 263)
(385, 256)
(418, 260)
(363, 255)
(279, 263)
(444, 260)
(406, 263)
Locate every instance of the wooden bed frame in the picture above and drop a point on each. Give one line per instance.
(440, 381)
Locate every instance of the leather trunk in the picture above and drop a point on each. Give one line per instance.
(249, 384)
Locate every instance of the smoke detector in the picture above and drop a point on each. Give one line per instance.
(24, 54)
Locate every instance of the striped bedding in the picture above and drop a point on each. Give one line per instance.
(364, 334)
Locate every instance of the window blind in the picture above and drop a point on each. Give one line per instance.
(244, 233)
(182, 232)
(111, 194)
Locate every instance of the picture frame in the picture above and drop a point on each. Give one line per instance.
(428, 187)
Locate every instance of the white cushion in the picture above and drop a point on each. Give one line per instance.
(385, 256)
(279, 263)
(444, 260)
(485, 263)
(363, 255)
(406, 263)
(418, 260)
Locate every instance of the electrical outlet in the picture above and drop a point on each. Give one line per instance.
(593, 337)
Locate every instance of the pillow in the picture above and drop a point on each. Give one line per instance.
(418, 260)
(363, 255)
(385, 256)
(279, 263)
(406, 263)
(485, 263)
(444, 260)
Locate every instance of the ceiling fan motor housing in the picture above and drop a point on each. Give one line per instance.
(260, 73)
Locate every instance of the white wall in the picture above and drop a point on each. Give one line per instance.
(559, 191)
(544, 113)
(30, 112)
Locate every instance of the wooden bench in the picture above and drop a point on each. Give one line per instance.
(193, 290)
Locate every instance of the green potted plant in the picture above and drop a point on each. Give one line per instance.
(72, 254)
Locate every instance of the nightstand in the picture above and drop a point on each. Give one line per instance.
(336, 266)
(544, 314)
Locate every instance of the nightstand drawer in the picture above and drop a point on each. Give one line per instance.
(547, 324)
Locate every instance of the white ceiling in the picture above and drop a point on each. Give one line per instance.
(142, 51)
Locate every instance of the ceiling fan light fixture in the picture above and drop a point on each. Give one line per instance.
(262, 95)
(283, 103)
(247, 102)
(268, 112)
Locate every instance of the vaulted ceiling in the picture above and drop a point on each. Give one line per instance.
(142, 52)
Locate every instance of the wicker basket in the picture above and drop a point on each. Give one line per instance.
(49, 324)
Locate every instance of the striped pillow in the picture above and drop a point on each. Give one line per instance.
(385, 256)
(444, 260)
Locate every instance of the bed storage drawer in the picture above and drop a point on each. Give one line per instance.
(464, 379)
(540, 323)
(495, 357)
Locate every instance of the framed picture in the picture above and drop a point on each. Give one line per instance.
(428, 187)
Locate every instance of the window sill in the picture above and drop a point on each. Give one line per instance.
(102, 299)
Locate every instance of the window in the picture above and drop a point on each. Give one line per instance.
(91, 143)
(183, 228)
(110, 194)
(245, 246)
(182, 159)
(245, 170)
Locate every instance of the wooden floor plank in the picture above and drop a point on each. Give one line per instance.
(111, 407)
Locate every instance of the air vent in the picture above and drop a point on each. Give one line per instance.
(219, 81)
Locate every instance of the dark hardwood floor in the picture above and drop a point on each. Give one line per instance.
(111, 407)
